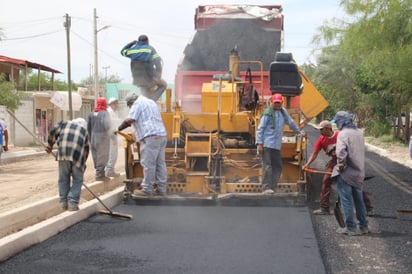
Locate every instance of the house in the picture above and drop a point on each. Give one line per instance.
(37, 112)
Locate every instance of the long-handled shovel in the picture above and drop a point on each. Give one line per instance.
(108, 211)
(337, 211)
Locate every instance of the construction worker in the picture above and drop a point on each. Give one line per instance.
(146, 67)
(327, 143)
(269, 141)
(349, 172)
(150, 132)
(114, 146)
(410, 147)
(72, 141)
(4, 146)
(98, 126)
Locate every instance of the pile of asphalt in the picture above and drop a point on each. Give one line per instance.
(210, 48)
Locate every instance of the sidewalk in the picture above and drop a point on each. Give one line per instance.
(15, 154)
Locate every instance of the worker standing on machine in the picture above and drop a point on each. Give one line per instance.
(146, 67)
(269, 141)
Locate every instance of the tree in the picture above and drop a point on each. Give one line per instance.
(9, 96)
(45, 82)
(376, 44)
(102, 80)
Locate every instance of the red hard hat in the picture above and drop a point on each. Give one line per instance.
(277, 98)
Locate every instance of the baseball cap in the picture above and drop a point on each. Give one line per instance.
(112, 99)
(277, 98)
(323, 124)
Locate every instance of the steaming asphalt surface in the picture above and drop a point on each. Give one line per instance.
(180, 239)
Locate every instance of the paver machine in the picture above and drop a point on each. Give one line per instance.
(211, 123)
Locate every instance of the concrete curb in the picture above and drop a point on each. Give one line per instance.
(17, 242)
(377, 150)
(13, 157)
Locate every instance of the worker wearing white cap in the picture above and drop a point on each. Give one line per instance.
(114, 147)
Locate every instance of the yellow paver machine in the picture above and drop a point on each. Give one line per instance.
(211, 123)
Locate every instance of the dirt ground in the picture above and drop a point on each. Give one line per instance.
(34, 179)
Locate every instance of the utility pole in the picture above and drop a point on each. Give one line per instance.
(105, 72)
(96, 68)
(67, 25)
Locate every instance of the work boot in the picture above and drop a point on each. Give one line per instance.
(72, 207)
(160, 193)
(63, 205)
(321, 211)
(364, 231)
(345, 231)
(112, 174)
(139, 192)
(102, 178)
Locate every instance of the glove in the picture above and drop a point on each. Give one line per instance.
(331, 151)
(260, 148)
(49, 149)
(339, 168)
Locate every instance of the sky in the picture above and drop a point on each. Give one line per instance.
(34, 31)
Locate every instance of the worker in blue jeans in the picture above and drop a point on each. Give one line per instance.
(151, 134)
(349, 172)
(72, 141)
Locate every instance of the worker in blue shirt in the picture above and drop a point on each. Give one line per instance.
(269, 141)
(146, 67)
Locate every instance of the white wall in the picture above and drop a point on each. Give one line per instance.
(25, 115)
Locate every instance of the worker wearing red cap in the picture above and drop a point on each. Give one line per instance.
(146, 67)
(269, 141)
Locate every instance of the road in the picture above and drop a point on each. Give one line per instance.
(237, 239)
(388, 248)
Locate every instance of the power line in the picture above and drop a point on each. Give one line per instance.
(32, 36)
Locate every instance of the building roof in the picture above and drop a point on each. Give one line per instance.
(29, 64)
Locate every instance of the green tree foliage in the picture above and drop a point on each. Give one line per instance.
(46, 83)
(102, 80)
(371, 53)
(9, 97)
